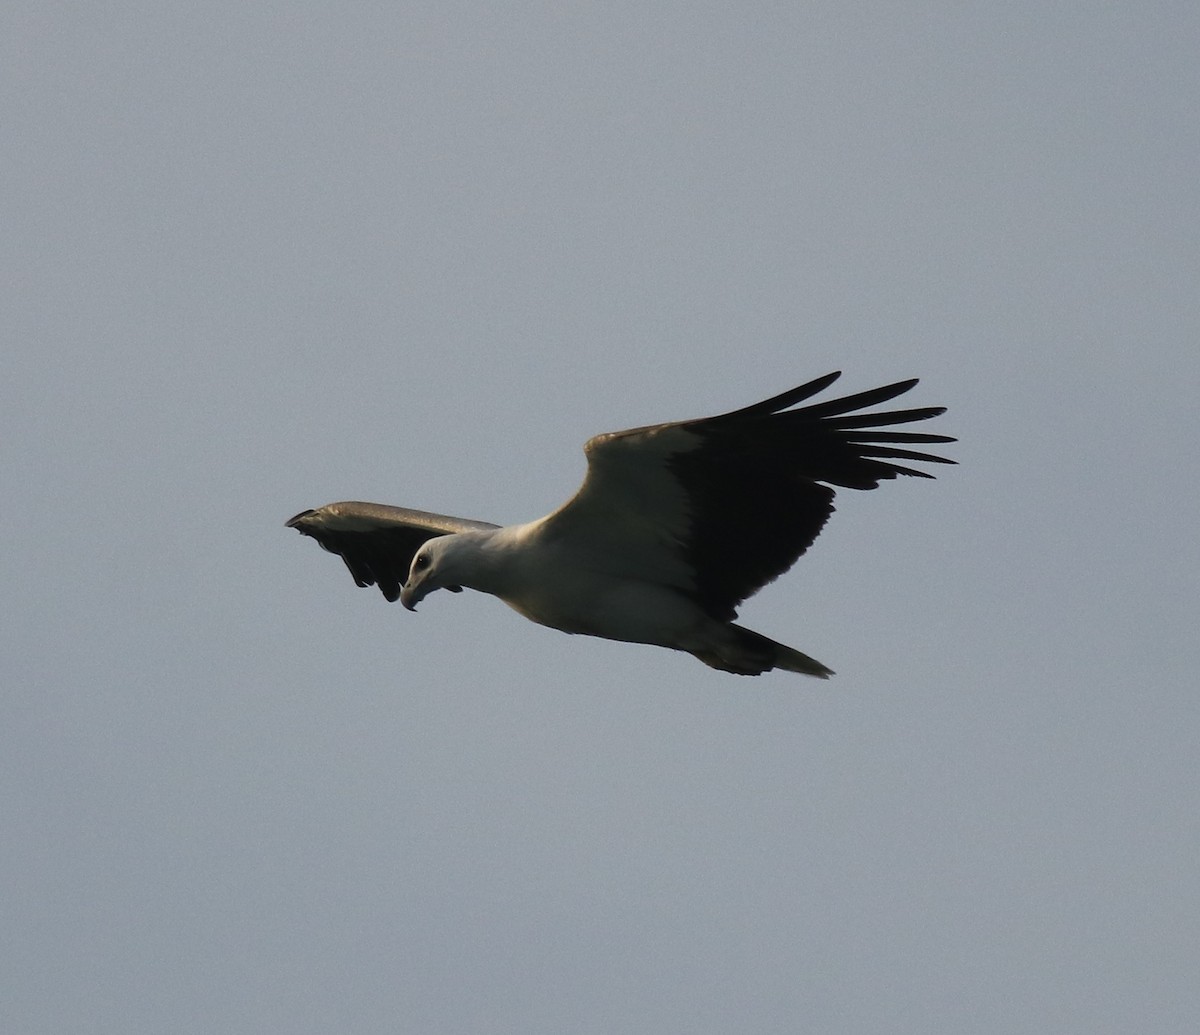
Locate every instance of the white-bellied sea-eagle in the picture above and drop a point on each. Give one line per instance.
(674, 526)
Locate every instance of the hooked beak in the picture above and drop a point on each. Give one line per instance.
(412, 593)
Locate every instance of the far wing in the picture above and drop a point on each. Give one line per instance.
(377, 542)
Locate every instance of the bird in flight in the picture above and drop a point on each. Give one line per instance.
(674, 526)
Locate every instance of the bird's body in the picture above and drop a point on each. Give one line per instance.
(673, 527)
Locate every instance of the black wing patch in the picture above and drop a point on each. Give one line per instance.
(760, 480)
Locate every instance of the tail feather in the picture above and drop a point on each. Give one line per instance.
(749, 653)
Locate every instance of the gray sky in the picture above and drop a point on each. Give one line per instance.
(261, 257)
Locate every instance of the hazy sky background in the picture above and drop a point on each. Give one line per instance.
(259, 257)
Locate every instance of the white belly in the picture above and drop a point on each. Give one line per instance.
(598, 605)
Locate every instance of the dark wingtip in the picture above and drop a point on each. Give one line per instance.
(298, 520)
(778, 402)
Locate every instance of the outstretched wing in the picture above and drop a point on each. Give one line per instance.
(720, 506)
(377, 542)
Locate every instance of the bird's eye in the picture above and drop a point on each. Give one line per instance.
(422, 562)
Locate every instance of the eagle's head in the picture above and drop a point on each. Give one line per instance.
(432, 569)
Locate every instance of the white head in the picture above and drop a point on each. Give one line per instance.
(433, 567)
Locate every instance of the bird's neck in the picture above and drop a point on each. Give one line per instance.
(483, 560)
